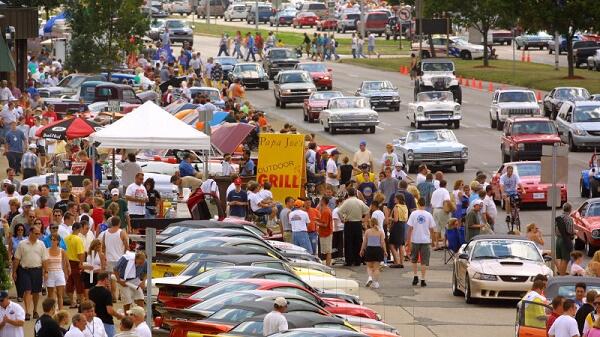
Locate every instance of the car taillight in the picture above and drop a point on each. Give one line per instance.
(158, 321)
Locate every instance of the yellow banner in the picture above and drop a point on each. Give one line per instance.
(281, 162)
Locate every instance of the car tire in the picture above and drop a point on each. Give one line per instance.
(572, 146)
(455, 290)
(591, 250)
(505, 157)
(466, 55)
(518, 47)
(266, 86)
(579, 244)
(499, 124)
(332, 130)
(460, 168)
(457, 125)
(492, 122)
(583, 191)
(468, 298)
(594, 188)
(397, 108)
(372, 129)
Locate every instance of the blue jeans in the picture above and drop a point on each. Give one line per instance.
(301, 239)
(110, 329)
(314, 239)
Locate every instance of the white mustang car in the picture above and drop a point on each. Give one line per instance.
(434, 107)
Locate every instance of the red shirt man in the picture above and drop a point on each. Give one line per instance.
(557, 310)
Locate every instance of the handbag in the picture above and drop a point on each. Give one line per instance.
(449, 206)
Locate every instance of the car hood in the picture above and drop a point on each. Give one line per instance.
(430, 74)
(285, 60)
(362, 111)
(226, 66)
(437, 105)
(593, 220)
(435, 146)
(380, 93)
(507, 105)
(317, 103)
(536, 138)
(509, 267)
(588, 126)
(303, 85)
(249, 74)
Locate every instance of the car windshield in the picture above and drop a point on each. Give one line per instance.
(596, 98)
(500, 249)
(233, 315)
(214, 95)
(313, 67)
(568, 290)
(435, 96)
(216, 303)
(186, 236)
(170, 231)
(584, 114)
(353, 16)
(348, 103)
(528, 169)
(573, 94)
(378, 85)
(517, 96)
(217, 275)
(288, 12)
(193, 244)
(246, 67)
(71, 82)
(223, 288)
(189, 257)
(175, 24)
(157, 24)
(533, 127)
(593, 210)
(439, 66)
(326, 95)
(431, 136)
(282, 54)
(295, 77)
(250, 328)
(226, 60)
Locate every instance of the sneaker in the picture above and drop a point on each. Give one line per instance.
(415, 280)
(35, 315)
(369, 281)
(44, 291)
(375, 285)
(423, 284)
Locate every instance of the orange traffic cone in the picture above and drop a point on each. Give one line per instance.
(473, 83)
(490, 87)
(401, 69)
(405, 70)
(523, 57)
(466, 82)
(528, 57)
(480, 86)
(538, 95)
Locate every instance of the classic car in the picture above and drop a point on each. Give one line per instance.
(179, 31)
(199, 233)
(381, 94)
(318, 332)
(157, 26)
(321, 75)
(292, 86)
(305, 19)
(347, 21)
(529, 173)
(251, 75)
(69, 85)
(540, 40)
(593, 62)
(453, 46)
(437, 75)
(586, 220)
(227, 63)
(565, 286)
(348, 113)
(578, 124)
(178, 7)
(327, 24)
(508, 103)
(213, 94)
(318, 8)
(434, 107)
(497, 267)
(562, 43)
(283, 18)
(235, 11)
(154, 12)
(316, 103)
(523, 138)
(333, 305)
(555, 98)
(431, 147)
(277, 59)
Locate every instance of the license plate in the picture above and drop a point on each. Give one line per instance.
(347, 124)
(538, 195)
(361, 124)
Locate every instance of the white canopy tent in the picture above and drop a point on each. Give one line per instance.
(150, 127)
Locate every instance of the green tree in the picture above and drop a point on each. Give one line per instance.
(102, 32)
(567, 17)
(48, 5)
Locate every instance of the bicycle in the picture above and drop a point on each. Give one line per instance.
(513, 219)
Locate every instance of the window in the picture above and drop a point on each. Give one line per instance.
(250, 328)
(217, 275)
(274, 265)
(223, 288)
(232, 315)
(284, 278)
(216, 303)
(299, 292)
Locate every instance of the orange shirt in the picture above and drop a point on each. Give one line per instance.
(262, 121)
(313, 214)
(326, 218)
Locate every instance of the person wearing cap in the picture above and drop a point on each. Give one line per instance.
(363, 156)
(16, 142)
(365, 175)
(474, 220)
(275, 321)
(237, 200)
(399, 173)
(123, 210)
(12, 317)
(138, 315)
(76, 257)
(30, 162)
(426, 189)
(26, 217)
(29, 267)
(299, 221)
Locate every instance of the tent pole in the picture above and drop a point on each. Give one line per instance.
(93, 170)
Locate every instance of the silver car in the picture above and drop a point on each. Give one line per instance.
(349, 113)
(578, 124)
(292, 86)
(431, 147)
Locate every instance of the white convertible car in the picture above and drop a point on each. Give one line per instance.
(436, 107)
(349, 113)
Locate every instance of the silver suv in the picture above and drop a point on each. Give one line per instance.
(511, 103)
(292, 86)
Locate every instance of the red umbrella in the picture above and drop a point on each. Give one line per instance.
(227, 136)
(68, 129)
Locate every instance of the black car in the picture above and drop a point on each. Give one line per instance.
(278, 59)
(227, 63)
(251, 75)
(555, 98)
(582, 50)
(254, 325)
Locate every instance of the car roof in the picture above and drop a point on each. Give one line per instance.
(302, 319)
(207, 224)
(420, 131)
(224, 250)
(294, 71)
(498, 237)
(266, 282)
(239, 259)
(303, 63)
(513, 90)
(436, 61)
(529, 119)
(586, 103)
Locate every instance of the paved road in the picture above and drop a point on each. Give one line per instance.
(432, 311)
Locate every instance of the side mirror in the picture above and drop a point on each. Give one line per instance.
(494, 102)
(276, 81)
(463, 256)
(547, 258)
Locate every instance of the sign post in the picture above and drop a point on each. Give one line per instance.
(150, 253)
(554, 171)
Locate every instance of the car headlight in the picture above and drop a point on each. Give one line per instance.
(286, 91)
(521, 147)
(457, 108)
(310, 90)
(378, 316)
(485, 277)
(372, 117)
(325, 77)
(596, 233)
(396, 98)
(420, 109)
(410, 155)
(464, 153)
(503, 112)
(579, 132)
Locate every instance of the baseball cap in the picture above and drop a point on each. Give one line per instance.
(4, 294)
(478, 202)
(363, 142)
(32, 146)
(281, 302)
(364, 166)
(6, 181)
(299, 203)
(237, 181)
(114, 191)
(399, 164)
(334, 152)
(27, 203)
(137, 311)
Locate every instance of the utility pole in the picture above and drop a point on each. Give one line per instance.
(556, 49)
(362, 18)
(208, 11)
(256, 17)
(419, 10)
(553, 157)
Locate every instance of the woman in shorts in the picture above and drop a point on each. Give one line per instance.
(396, 239)
(95, 262)
(58, 269)
(373, 251)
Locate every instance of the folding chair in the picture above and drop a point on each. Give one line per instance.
(453, 243)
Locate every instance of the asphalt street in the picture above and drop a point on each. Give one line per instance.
(432, 311)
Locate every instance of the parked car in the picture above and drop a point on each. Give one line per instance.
(374, 22)
(154, 12)
(593, 62)
(157, 26)
(277, 59)
(497, 267)
(437, 75)
(316, 103)
(553, 100)
(433, 148)
(454, 46)
(523, 138)
(292, 86)
(305, 19)
(179, 31)
(318, 8)
(250, 74)
(178, 7)
(539, 40)
(381, 94)
(578, 124)
(235, 11)
(217, 8)
(213, 94)
(327, 24)
(582, 50)
(69, 85)
(265, 11)
(321, 75)
(501, 36)
(586, 222)
(348, 113)
(434, 107)
(227, 63)
(283, 18)
(562, 44)
(509, 103)
(529, 172)
(347, 21)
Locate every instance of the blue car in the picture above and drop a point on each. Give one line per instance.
(431, 147)
(213, 93)
(589, 183)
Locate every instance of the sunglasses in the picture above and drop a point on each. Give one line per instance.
(35, 233)
(54, 227)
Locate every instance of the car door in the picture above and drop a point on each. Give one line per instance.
(578, 220)
(461, 266)
(563, 121)
(548, 100)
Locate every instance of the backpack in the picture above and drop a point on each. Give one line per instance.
(337, 44)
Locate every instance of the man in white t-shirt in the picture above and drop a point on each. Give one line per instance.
(332, 177)
(136, 196)
(138, 315)
(420, 231)
(274, 321)
(441, 217)
(491, 212)
(565, 325)
(79, 325)
(12, 317)
(299, 221)
(399, 173)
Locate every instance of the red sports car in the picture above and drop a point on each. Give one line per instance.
(327, 24)
(333, 305)
(321, 75)
(305, 19)
(316, 103)
(529, 173)
(586, 220)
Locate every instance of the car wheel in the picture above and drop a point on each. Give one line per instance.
(372, 129)
(583, 191)
(499, 124)
(460, 168)
(572, 145)
(332, 130)
(579, 244)
(591, 249)
(468, 298)
(525, 47)
(455, 290)
(466, 55)
(457, 125)
(594, 188)
(282, 104)
(492, 122)
(397, 108)
(266, 86)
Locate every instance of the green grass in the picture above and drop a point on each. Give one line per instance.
(528, 75)
(384, 47)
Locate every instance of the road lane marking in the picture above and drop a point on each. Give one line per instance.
(380, 128)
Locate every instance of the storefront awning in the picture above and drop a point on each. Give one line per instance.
(7, 64)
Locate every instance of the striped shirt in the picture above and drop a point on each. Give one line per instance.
(29, 161)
